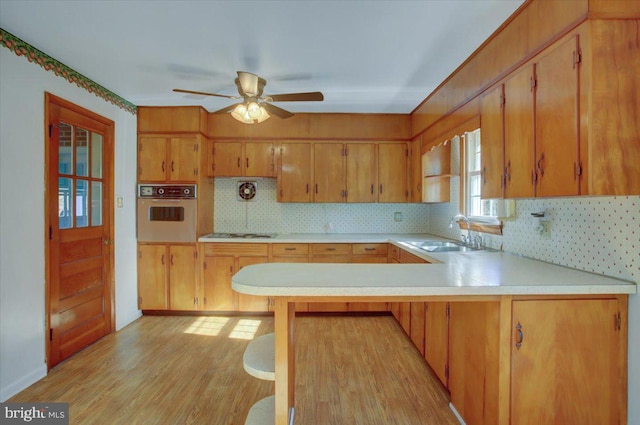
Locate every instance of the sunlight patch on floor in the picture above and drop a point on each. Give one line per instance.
(245, 329)
(208, 326)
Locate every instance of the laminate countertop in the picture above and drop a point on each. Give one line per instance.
(469, 273)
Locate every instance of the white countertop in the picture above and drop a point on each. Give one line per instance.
(327, 238)
(458, 273)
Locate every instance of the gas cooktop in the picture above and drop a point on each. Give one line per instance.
(241, 235)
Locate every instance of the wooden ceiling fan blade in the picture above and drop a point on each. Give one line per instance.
(201, 93)
(297, 97)
(278, 112)
(226, 109)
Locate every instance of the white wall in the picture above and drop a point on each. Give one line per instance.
(22, 308)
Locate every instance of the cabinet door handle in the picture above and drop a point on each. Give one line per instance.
(172, 166)
(238, 162)
(484, 175)
(380, 187)
(330, 249)
(162, 259)
(171, 259)
(540, 164)
(307, 187)
(247, 162)
(507, 171)
(316, 188)
(372, 188)
(369, 249)
(519, 336)
(163, 166)
(290, 249)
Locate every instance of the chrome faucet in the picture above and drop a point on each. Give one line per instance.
(468, 239)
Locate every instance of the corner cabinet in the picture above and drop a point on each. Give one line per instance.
(168, 159)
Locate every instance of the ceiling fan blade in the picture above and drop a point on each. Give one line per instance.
(226, 109)
(297, 97)
(278, 112)
(205, 94)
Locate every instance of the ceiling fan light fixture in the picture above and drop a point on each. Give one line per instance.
(250, 114)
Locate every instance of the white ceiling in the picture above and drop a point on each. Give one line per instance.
(365, 56)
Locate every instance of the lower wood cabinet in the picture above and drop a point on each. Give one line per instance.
(436, 339)
(167, 277)
(221, 261)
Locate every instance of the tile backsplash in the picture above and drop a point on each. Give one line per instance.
(596, 234)
(265, 214)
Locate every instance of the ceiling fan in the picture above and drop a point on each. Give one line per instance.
(255, 107)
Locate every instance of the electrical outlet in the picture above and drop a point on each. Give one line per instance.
(397, 216)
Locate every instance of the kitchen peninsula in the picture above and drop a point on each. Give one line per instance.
(537, 324)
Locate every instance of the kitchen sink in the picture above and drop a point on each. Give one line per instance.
(439, 246)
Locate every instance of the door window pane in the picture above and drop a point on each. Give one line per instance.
(96, 203)
(65, 149)
(65, 203)
(82, 152)
(96, 155)
(82, 203)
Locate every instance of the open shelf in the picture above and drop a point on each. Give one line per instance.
(263, 412)
(259, 358)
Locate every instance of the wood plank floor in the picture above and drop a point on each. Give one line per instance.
(188, 370)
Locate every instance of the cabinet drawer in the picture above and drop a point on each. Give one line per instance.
(330, 248)
(369, 249)
(284, 249)
(236, 249)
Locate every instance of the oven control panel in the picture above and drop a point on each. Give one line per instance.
(166, 191)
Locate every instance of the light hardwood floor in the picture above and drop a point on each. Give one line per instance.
(188, 370)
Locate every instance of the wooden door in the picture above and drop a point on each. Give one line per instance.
(79, 220)
(328, 172)
(258, 159)
(518, 135)
(566, 367)
(492, 145)
(294, 173)
(152, 159)
(152, 277)
(436, 339)
(218, 295)
(227, 159)
(182, 277)
(251, 302)
(557, 121)
(360, 172)
(183, 159)
(393, 162)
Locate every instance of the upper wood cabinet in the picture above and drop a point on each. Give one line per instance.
(294, 172)
(558, 164)
(360, 172)
(328, 172)
(492, 143)
(415, 170)
(168, 159)
(243, 159)
(393, 172)
(519, 150)
(436, 169)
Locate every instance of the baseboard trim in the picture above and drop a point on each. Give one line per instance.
(457, 415)
(22, 383)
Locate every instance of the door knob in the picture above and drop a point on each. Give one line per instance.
(108, 241)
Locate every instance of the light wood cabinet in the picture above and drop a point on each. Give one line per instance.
(369, 253)
(436, 169)
(519, 150)
(294, 172)
(416, 332)
(290, 253)
(558, 165)
(167, 277)
(360, 172)
(565, 362)
(415, 170)
(393, 166)
(492, 143)
(436, 339)
(473, 361)
(168, 159)
(328, 172)
(221, 261)
(243, 159)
